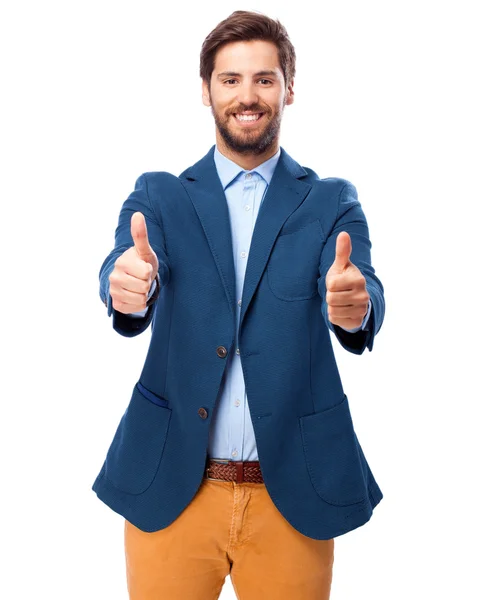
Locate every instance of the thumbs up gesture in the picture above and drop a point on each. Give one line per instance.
(346, 294)
(134, 270)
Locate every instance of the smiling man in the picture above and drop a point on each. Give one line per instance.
(236, 454)
(248, 102)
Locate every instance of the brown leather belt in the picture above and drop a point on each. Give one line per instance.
(233, 470)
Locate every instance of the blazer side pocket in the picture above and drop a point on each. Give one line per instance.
(137, 447)
(332, 455)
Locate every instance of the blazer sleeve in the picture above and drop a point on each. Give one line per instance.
(138, 200)
(350, 217)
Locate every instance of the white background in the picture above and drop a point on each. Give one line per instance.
(96, 93)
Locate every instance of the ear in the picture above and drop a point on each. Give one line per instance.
(205, 94)
(290, 93)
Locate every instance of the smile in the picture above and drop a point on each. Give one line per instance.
(248, 120)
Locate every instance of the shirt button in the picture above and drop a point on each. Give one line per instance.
(243, 254)
(237, 350)
(239, 302)
(237, 402)
(234, 453)
(248, 175)
(247, 207)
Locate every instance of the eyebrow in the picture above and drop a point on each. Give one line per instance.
(234, 74)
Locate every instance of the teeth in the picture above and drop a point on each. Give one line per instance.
(247, 117)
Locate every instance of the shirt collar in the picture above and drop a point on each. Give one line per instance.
(229, 170)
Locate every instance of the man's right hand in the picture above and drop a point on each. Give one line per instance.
(134, 271)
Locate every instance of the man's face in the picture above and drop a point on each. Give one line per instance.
(238, 85)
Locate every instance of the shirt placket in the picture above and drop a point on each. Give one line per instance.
(244, 228)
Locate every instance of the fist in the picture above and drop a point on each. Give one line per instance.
(134, 270)
(346, 294)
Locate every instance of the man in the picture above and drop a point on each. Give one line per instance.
(237, 453)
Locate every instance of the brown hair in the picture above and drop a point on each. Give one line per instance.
(243, 25)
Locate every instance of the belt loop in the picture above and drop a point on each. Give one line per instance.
(239, 471)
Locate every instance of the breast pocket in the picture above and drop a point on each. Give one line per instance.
(137, 447)
(293, 265)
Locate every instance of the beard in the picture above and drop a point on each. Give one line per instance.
(249, 141)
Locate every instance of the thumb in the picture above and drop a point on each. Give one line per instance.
(343, 250)
(139, 234)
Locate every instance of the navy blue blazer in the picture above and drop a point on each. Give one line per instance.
(313, 466)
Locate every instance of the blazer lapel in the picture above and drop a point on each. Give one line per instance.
(285, 193)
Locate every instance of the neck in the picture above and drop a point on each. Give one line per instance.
(246, 161)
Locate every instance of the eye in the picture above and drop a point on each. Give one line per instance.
(267, 80)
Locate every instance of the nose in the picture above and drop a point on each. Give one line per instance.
(247, 95)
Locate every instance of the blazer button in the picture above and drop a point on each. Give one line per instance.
(203, 413)
(221, 351)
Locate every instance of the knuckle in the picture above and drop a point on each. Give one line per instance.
(141, 306)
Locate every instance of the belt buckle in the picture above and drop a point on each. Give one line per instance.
(239, 471)
(224, 461)
(212, 478)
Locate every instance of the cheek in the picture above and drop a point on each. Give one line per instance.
(275, 108)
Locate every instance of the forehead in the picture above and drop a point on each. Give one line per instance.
(247, 57)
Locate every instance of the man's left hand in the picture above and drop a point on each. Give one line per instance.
(346, 294)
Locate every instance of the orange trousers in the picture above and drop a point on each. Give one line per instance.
(231, 529)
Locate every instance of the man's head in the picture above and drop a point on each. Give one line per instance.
(247, 65)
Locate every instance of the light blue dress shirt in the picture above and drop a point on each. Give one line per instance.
(231, 432)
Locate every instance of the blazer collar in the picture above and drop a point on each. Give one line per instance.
(284, 194)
